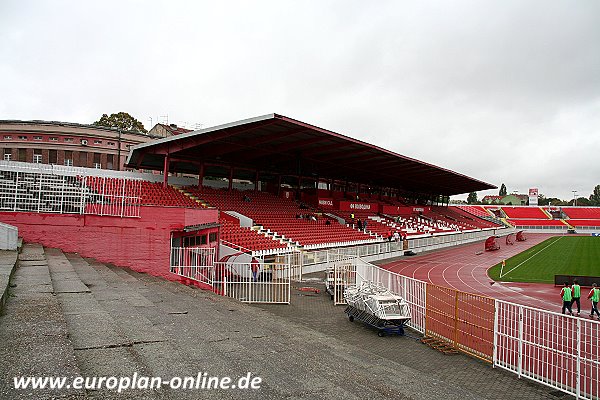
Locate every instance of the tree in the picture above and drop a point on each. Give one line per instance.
(595, 197)
(502, 191)
(472, 198)
(542, 200)
(555, 201)
(121, 121)
(582, 201)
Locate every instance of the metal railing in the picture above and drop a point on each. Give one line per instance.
(382, 248)
(554, 349)
(353, 270)
(196, 263)
(43, 188)
(252, 283)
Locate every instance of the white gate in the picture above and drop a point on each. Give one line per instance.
(253, 283)
(341, 275)
(196, 263)
(554, 349)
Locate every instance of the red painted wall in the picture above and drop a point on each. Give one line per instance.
(142, 244)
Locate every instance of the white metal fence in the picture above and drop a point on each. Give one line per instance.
(554, 349)
(197, 263)
(439, 241)
(112, 196)
(254, 283)
(418, 244)
(353, 270)
(48, 189)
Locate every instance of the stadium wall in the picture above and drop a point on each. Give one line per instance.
(141, 244)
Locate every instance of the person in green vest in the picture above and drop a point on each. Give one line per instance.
(567, 297)
(576, 295)
(594, 296)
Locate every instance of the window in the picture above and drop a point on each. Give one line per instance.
(52, 156)
(97, 141)
(212, 237)
(97, 163)
(23, 155)
(83, 159)
(69, 140)
(22, 137)
(7, 156)
(54, 139)
(68, 158)
(37, 138)
(37, 158)
(7, 137)
(109, 161)
(111, 143)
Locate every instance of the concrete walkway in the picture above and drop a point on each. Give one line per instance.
(76, 317)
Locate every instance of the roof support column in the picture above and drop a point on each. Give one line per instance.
(166, 171)
(230, 178)
(278, 185)
(256, 182)
(331, 187)
(201, 175)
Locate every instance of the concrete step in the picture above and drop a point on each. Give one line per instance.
(34, 339)
(229, 337)
(8, 263)
(117, 293)
(102, 347)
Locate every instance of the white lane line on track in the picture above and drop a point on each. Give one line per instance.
(465, 284)
(504, 292)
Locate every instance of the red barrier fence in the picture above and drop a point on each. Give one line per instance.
(466, 320)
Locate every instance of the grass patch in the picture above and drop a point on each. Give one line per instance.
(562, 255)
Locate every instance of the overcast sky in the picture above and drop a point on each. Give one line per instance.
(503, 91)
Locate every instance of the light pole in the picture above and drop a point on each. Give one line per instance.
(574, 198)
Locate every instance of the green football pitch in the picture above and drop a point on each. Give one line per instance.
(562, 255)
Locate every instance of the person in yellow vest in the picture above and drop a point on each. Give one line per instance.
(567, 297)
(576, 295)
(594, 296)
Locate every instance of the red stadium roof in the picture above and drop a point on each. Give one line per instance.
(276, 144)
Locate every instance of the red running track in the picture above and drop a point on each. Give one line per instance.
(465, 268)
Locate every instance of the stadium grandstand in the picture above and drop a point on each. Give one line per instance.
(546, 219)
(243, 209)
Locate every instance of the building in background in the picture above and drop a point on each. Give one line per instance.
(65, 143)
(512, 199)
(163, 130)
